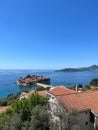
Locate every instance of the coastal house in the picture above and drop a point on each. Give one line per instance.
(85, 103)
(54, 103)
(57, 91)
(23, 95)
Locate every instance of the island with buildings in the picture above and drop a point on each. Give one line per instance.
(78, 104)
(32, 80)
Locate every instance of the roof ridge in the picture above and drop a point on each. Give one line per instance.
(66, 94)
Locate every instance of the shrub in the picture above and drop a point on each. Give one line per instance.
(94, 82)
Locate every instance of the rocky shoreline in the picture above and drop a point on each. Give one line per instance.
(31, 80)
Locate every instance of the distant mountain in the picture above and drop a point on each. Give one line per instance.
(90, 68)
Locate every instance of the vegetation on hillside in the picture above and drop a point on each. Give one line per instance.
(34, 114)
(84, 88)
(9, 100)
(42, 88)
(94, 82)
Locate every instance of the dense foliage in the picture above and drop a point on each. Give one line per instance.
(42, 88)
(87, 87)
(8, 101)
(35, 114)
(94, 82)
(84, 88)
(19, 117)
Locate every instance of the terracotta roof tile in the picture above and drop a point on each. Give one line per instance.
(61, 90)
(30, 93)
(80, 101)
(4, 108)
(42, 93)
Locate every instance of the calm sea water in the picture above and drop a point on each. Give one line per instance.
(8, 77)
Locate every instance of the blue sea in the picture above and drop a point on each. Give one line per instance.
(8, 77)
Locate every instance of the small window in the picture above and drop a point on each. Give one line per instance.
(86, 123)
(86, 112)
(91, 117)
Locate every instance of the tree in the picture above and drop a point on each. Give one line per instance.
(9, 100)
(94, 82)
(20, 116)
(40, 119)
(35, 114)
(42, 88)
(3, 102)
(87, 87)
(37, 99)
(11, 122)
(25, 106)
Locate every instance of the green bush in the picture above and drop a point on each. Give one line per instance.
(94, 82)
(3, 102)
(34, 114)
(19, 117)
(42, 88)
(9, 100)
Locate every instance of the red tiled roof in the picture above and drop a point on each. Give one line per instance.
(30, 93)
(80, 101)
(4, 108)
(61, 90)
(42, 93)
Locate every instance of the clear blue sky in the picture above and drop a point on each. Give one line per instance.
(48, 34)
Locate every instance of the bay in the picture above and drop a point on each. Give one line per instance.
(68, 79)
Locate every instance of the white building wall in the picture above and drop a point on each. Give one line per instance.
(84, 116)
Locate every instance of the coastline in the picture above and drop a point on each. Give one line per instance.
(7, 79)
